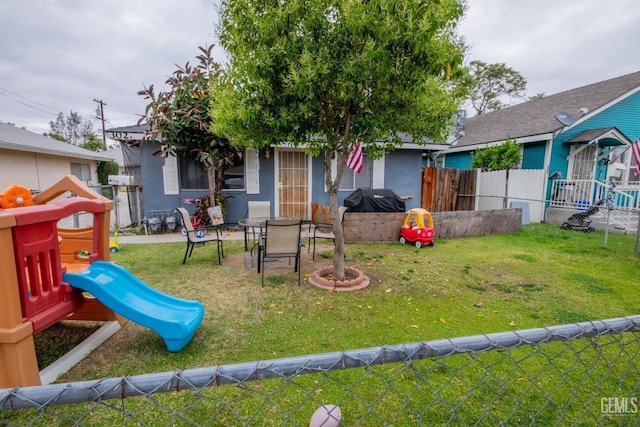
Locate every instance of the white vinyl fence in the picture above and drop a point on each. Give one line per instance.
(525, 188)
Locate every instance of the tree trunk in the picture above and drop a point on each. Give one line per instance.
(212, 184)
(332, 191)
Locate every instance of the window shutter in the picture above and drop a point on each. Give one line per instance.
(252, 171)
(378, 173)
(170, 175)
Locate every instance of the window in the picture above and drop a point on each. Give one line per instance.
(372, 175)
(233, 175)
(193, 175)
(352, 180)
(82, 171)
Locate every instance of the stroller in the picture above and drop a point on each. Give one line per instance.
(580, 221)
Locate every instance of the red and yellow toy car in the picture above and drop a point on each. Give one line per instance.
(417, 228)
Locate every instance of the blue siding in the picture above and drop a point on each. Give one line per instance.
(154, 198)
(623, 115)
(403, 175)
(533, 155)
(458, 160)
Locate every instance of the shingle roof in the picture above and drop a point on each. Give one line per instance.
(18, 139)
(537, 117)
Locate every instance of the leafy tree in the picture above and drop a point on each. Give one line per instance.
(180, 117)
(72, 128)
(105, 169)
(93, 143)
(493, 82)
(498, 157)
(320, 74)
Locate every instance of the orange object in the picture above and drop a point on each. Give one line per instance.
(15, 196)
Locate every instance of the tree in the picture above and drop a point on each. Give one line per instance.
(180, 118)
(92, 143)
(72, 129)
(493, 82)
(498, 157)
(320, 74)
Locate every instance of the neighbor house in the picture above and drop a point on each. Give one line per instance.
(37, 162)
(286, 176)
(580, 137)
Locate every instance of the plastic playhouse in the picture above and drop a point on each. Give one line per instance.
(417, 228)
(51, 273)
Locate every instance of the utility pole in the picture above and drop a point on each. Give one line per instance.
(100, 115)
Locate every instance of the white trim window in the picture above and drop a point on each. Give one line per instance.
(185, 173)
(82, 171)
(371, 176)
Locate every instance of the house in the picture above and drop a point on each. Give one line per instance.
(284, 175)
(580, 137)
(37, 162)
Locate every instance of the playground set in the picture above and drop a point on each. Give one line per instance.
(47, 276)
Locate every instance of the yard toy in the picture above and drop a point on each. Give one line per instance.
(15, 196)
(113, 245)
(46, 278)
(417, 228)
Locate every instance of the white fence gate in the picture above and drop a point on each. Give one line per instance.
(525, 188)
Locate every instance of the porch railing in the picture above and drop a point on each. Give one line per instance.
(581, 193)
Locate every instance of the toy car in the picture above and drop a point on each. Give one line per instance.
(417, 228)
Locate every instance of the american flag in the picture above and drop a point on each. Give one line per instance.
(635, 149)
(355, 157)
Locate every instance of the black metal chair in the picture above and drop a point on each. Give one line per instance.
(281, 240)
(323, 230)
(209, 234)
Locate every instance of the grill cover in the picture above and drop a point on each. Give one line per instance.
(380, 200)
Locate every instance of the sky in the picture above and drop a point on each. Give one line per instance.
(62, 55)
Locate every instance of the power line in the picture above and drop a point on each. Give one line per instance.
(24, 103)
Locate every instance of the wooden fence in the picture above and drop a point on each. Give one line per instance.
(445, 189)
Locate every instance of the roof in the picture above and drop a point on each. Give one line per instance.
(128, 133)
(609, 136)
(537, 117)
(18, 139)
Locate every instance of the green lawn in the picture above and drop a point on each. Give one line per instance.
(541, 276)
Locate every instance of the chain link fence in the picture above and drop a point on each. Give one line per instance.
(576, 374)
(127, 207)
(127, 204)
(577, 220)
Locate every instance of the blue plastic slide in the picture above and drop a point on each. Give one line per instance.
(174, 319)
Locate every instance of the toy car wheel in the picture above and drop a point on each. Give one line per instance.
(418, 244)
(403, 240)
(431, 243)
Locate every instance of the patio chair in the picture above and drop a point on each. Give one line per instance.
(281, 240)
(256, 209)
(323, 230)
(209, 234)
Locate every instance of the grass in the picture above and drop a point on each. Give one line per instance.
(541, 276)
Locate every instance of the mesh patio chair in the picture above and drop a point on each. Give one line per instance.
(256, 209)
(281, 240)
(200, 236)
(323, 230)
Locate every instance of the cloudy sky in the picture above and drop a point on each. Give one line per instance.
(60, 55)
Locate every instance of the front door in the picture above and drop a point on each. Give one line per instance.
(292, 190)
